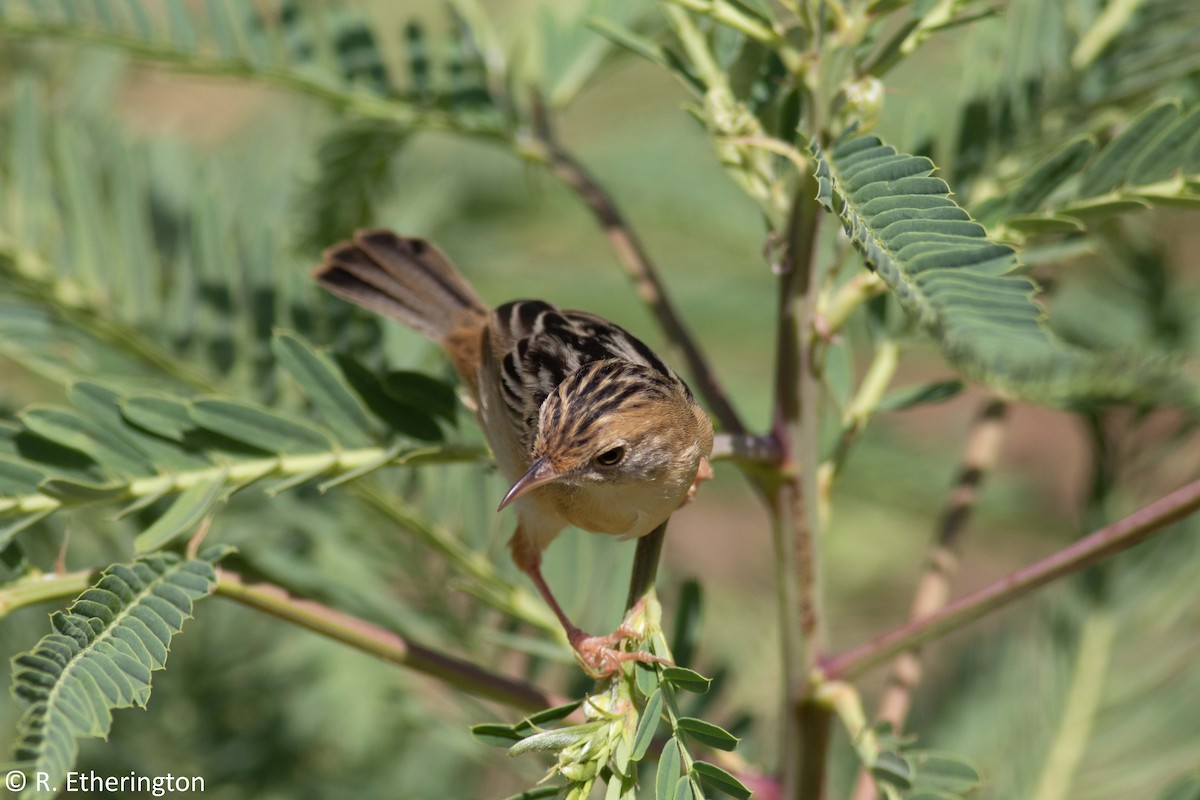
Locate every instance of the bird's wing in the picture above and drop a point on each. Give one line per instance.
(537, 345)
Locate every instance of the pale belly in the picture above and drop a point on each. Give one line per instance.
(629, 510)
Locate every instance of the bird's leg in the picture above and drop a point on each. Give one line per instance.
(596, 654)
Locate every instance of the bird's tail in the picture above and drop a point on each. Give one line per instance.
(407, 279)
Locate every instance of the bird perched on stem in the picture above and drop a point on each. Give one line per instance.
(592, 428)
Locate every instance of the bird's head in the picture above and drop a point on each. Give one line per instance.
(614, 422)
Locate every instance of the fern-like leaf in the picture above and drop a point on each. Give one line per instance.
(959, 285)
(101, 655)
(1154, 161)
(139, 449)
(354, 174)
(331, 53)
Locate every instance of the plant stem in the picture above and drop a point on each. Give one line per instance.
(1101, 544)
(933, 587)
(730, 15)
(805, 729)
(384, 644)
(42, 587)
(638, 265)
(328, 622)
(1082, 703)
(746, 449)
(645, 564)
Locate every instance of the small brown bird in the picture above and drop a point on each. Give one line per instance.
(591, 426)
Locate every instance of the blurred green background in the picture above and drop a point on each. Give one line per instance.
(263, 710)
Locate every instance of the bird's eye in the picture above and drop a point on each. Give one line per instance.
(610, 458)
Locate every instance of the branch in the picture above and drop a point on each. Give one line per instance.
(933, 587)
(333, 624)
(806, 730)
(1109, 540)
(384, 644)
(638, 265)
(645, 564)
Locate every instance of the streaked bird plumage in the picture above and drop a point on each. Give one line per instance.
(591, 426)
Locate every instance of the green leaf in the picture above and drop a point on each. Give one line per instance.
(423, 392)
(1167, 152)
(159, 414)
(959, 287)
(69, 429)
(1111, 168)
(645, 677)
(707, 733)
(538, 793)
(1035, 225)
(556, 739)
(496, 735)
(323, 383)
(18, 478)
(719, 779)
(686, 679)
(401, 417)
(633, 42)
(103, 405)
(101, 655)
(647, 725)
(192, 505)
(545, 717)
(668, 771)
(683, 789)
(354, 177)
(11, 526)
(1060, 165)
(258, 427)
(78, 491)
(942, 772)
(892, 768)
(921, 394)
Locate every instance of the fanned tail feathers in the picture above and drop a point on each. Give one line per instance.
(406, 279)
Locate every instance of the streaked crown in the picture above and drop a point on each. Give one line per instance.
(614, 417)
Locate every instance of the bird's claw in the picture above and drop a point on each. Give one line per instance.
(601, 657)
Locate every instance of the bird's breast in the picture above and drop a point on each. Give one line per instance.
(628, 510)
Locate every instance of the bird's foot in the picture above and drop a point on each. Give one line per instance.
(601, 657)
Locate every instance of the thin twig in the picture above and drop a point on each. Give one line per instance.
(933, 587)
(384, 644)
(746, 449)
(645, 563)
(638, 265)
(1105, 542)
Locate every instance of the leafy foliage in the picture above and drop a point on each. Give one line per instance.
(101, 655)
(1155, 160)
(333, 53)
(164, 329)
(620, 724)
(957, 283)
(139, 449)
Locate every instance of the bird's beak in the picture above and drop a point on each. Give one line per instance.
(539, 473)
